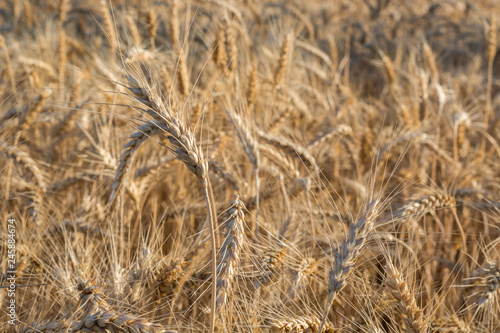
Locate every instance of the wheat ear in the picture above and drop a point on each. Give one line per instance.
(127, 157)
(174, 23)
(23, 159)
(412, 315)
(10, 70)
(55, 326)
(251, 147)
(133, 31)
(290, 148)
(229, 253)
(346, 256)
(427, 204)
(298, 324)
(286, 51)
(98, 316)
(336, 133)
(272, 261)
(152, 24)
(108, 24)
(492, 50)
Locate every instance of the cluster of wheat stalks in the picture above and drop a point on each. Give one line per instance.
(251, 166)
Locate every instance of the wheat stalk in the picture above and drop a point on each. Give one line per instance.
(298, 324)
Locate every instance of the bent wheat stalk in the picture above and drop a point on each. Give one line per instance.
(413, 315)
(184, 147)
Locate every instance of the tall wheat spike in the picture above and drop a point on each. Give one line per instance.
(347, 254)
(229, 251)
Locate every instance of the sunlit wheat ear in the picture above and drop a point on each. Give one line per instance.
(229, 252)
(272, 262)
(251, 147)
(165, 279)
(253, 86)
(183, 74)
(32, 112)
(274, 160)
(232, 49)
(133, 31)
(24, 160)
(390, 72)
(127, 157)
(335, 133)
(290, 148)
(99, 316)
(430, 59)
(220, 56)
(174, 23)
(307, 268)
(39, 64)
(413, 316)
(297, 324)
(427, 204)
(10, 70)
(109, 27)
(152, 24)
(54, 326)
(280, 118)
(461, 122)
(486, 283)
(347, 254)
(248, 141)
(286, 51)
(316, 51)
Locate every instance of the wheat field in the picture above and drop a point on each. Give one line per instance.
(249, 166)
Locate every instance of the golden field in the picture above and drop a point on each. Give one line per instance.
(249, 166)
